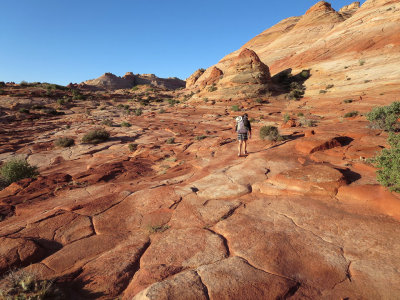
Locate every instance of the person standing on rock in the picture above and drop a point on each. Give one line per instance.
(243, 128)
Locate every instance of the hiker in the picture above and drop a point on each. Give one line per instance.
(243, 128)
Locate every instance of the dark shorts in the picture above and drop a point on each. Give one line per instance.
(242, 136)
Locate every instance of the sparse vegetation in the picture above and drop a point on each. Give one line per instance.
(138, 112)
(158, 228)
(286, 118)
(347, 101)
(300, 114)
(76, 95)
(329, 86)
(307, 122)
(96, 136)
(162, 110)
(351, 114)
(170, 141)
(296, 91)
(323, 91)
(212, 88)
(235, 108)
(388, 164)
(201, 137)
(361, 62)
(64, 142)
(135, 88)
(107, 122)
(24, 110)
(16, 169)
(270, 133)
(60, 102)
(132, 147)
(172, 102)
(26, 285)
(126, 124)
(385, 117)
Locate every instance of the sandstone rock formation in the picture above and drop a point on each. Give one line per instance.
(109, 81)
(344, 48)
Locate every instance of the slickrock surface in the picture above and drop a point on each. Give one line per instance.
(165, 209)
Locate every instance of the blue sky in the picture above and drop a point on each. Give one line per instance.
(71, 41)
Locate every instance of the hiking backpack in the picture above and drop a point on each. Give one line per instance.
(240, 125)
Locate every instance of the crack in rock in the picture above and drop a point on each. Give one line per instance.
(205, 289)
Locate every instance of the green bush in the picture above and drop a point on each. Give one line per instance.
(107, 122)
(201, 137)
(135, 88)
(17, 169)
(64, 142)
(125, 124)
(24, 110)
(388, 164)
(307, 122)
(296, 91)
(329, 86)
(286, 118)
(132, 147)
(270, 133)
(138, 112)
(235, 108)
(361, 62)
(170, 141)
(96, 136)
(212, 88)
(385, 117)
(351, 114)
(322, 91)
(60, 101)
(347, 101)
(76, 95)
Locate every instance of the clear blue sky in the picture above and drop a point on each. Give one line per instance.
(71, 41)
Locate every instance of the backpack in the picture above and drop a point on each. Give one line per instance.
(240, 128)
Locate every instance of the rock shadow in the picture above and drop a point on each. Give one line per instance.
(349, 175)
(285, 82)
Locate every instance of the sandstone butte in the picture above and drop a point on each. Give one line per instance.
(164, 209)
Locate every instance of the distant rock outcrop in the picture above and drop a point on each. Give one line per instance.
(191, 80)
(109, 81)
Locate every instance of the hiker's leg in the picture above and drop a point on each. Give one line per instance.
(245, 146)
(240, 147)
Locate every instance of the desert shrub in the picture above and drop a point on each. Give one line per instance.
(132, 147)
(212, 88)
(38, 106)
(235, 108)
(388, 164)
(347, 101)
(305, 74)
(17, 169)
(158, 228)
(307, 122)
(24, 110)
(24, 83)
(64, 142)
(296, 90)
(162, 110)
(329, 86)
(60, 101)
(2, 92)
(125, 124)
(351, 114)
(286, 118)
(76, 95)
(26, 285)
(2, 84)
(205, 100)
(385, 117)
(96, 136)
(361, 62)
(172, 102)
(135, 88)
(259, 100)
(300, 114)
(52, 111)
(170, 141)
(107, 122)
(270, 133)
(323, 91)
(201, 137)
(138, 112)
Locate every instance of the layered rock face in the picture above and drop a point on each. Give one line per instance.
(109, 81)
(355, 48)
(245, 76)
